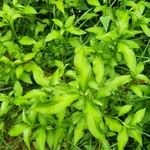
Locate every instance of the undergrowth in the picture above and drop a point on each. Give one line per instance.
(74, 74)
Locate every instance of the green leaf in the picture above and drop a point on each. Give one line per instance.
(94, 121)
(137, 90)
(1, 125)
(20, 101)
(96, 30)
(139, 68)
(105, 21)
(26, 78)
(143, 77)
(38, 76)
(147, 4)
(69, 21)
(40, 138)
(4, 104)
(88, 16)
(15, 2)
(61, 117)
(75, 30)
(17, 129)
(19, 71)
(52, 36)
(114, 83)
(128, 54)
(2, 24)
(132, 43)
(18, 90)
(122, 138)
(60, 5)
(38, 29)
(79, 105)
(26, 40)
(50, 138)
(4, 107)
(58, 136)
(24, 116)
(124, 109)
(113, 124)
(146, 29)
(138, 116)
(136, 135)
(98, 68)
(28, 57)
(35, 93)
(42, 120)
(123, 20)
(55, 77)
(79, 131)
(83, 68)
(93, 2)
(32, 117)
(59, 104)
(26, 136)
(29, 10)
(58, 22)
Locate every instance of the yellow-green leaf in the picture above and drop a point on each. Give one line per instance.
(105, 21)
(26, 40)
(1, 125)
(19, 71)
(118, 81)
(138, 116)
(39, 78)
(58, 22)
(129, 55)
(83, 68)
(79, 131)
(143, 77)
(98, 68)
(17, 129)
(139, 68)
(137, 90)
(52, 35)
(28, 57)
(136, 135)
(40, 138)
(15, 2)
(50, 138)
(75, 30)
(29, 10)
(4, 107)
(26, 136)
(123, 20)
(60, 103)
(18, 90)
(122, 138)
(113, 124)
(93, 2)
(26, 78)
(94, 121)
(69, 21)
(146, 29)
(57, 136)
(124, 109)
(60, 5)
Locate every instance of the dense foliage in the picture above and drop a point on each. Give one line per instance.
(74, 74)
